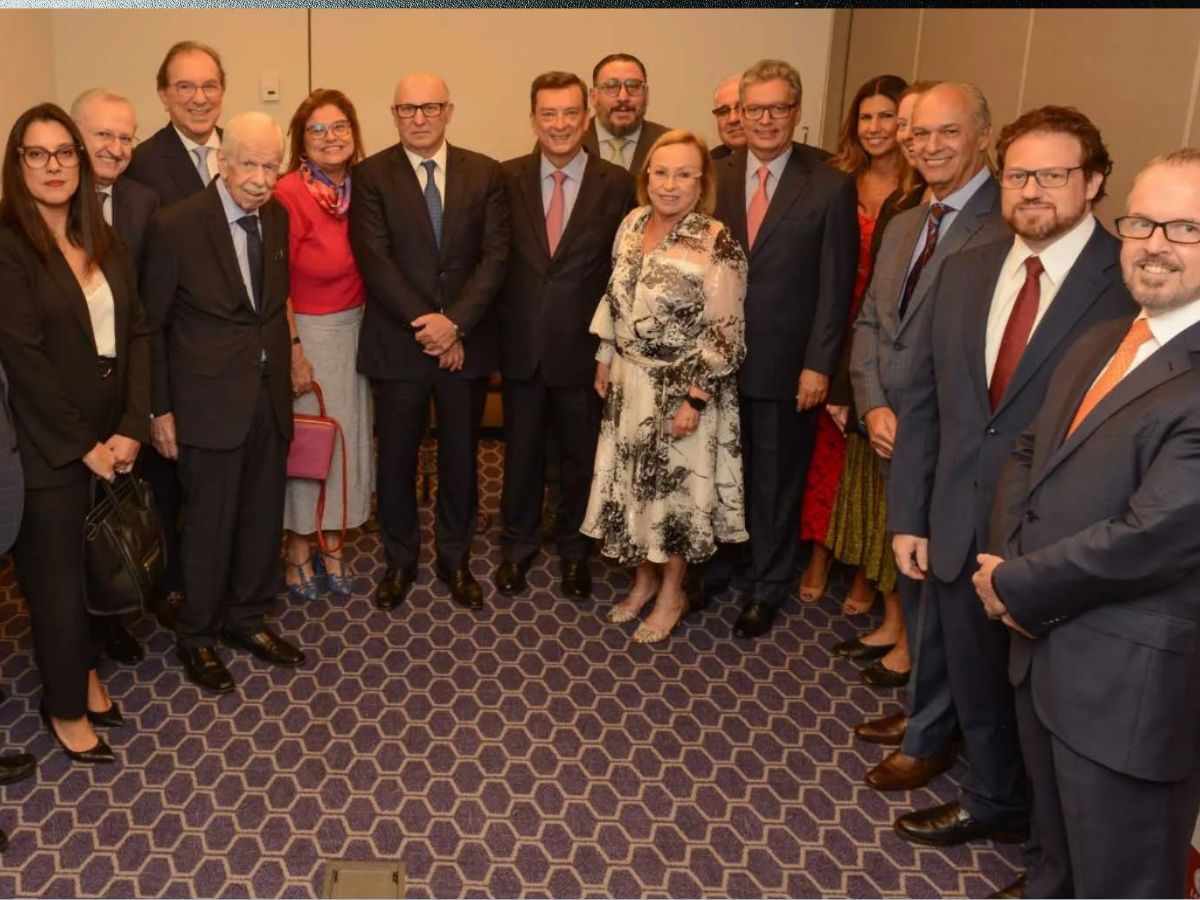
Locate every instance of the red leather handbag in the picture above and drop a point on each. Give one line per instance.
(311, 456)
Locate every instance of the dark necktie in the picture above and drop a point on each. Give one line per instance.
(936, 212)
(433, 200)
(1017, 330)
(254, 255)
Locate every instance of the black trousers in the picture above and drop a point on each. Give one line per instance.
(1100, 833)
(163, 477)
(994, 789)
(233, 522)
(570, 416)
(401, 412)
(49, 562)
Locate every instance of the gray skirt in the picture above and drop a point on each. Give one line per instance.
(331, 345)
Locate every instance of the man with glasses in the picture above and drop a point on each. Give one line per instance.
(728, 115)
(1003, 316)
(619, 132)
(429, 230)
(796, 218)
(565, 207)
(108, 125)
(1096, 523)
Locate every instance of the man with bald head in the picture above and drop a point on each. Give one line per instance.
(728, 115)
(215, 287)
(429, 230)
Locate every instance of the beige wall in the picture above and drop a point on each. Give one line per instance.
(488, 57)
(1024, 58)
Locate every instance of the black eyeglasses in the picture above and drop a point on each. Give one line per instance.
(1052, 177)
(612, 87)
(428, 110)
(1177, 231)
(774, 110)
(66, 156)
(724, 112)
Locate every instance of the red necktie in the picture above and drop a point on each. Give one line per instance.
(1138, 334)
(758, 206)
(936, 212)
(554, 215)
(1017, 330)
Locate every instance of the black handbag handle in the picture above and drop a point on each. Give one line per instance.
(109, 488)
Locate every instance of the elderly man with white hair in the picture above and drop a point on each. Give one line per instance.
(215, 287)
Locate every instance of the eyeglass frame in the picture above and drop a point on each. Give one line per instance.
(611, 87)
(723, 112)
(785, 109)
(340, 128)
(75, 148)
(208, 88)
(440, 106)
(1157, 225)
(1037, 176)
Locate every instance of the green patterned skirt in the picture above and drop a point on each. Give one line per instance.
(858, 527)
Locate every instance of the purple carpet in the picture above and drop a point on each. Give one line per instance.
(529, 750)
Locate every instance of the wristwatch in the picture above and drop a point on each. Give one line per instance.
(695, 403)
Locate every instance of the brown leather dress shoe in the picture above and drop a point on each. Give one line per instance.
(1016, 889)
(949, 824)
(888, 730)
(901, 772)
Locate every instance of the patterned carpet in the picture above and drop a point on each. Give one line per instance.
(529, 751)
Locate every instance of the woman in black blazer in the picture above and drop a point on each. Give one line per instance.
(74, 341)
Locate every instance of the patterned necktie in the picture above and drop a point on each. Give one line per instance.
(936, 213)
(1138, 334)
(254, 255)
(758, 206)
(1017, 330)
(556, 212)
(616, 151)
(105, 205)
(433, 201)
(201, 154)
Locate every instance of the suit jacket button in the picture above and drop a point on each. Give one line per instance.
(991, 432)
(899, 345)
(1030, 515)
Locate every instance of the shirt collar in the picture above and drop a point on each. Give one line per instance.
(603, 134)
(1059, 257)
(233, 212)
(775, 166)
(439, 158)
(963, 195)
(574, 168)
(1169, 324)
(191, 145)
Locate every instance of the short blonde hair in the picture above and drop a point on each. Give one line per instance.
(707, 203)
(770, 70)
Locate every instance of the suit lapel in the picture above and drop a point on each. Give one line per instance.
(181, 164)
(733, 188)
(456, 190)
(978, 304)
(585, 201)
(60, 271)
(591, 141)
(910, 229)
(792, 183)
(530, 187)
(410, 190)
(122, 213)
(221, 238)
(273, 247)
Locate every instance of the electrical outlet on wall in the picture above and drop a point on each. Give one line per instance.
(268, 89)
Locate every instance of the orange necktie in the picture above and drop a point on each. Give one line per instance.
(758, 206)
(1138, 334)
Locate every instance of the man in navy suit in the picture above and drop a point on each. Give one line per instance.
(108, 125)
(1003, 316)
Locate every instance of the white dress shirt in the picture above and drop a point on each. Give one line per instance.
(213, 143)
(775, 169)
(1164, 326)
(439, 170)
(102, 312)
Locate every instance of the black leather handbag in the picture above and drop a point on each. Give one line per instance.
(125, 553)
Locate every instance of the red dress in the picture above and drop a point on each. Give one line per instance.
(829, 450)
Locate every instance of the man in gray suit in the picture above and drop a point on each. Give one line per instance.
(619, 131)
(965, 213)
(1003, 316)
(1097, 514)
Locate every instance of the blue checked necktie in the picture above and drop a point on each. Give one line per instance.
(433, 200)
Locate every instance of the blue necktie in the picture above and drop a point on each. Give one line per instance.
(254, 255)
(433, 200)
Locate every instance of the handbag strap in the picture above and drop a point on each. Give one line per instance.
(316, 389)
(321, 494)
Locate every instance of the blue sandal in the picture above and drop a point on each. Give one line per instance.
(338, 585)
(308, 589)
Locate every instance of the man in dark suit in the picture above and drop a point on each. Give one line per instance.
(565, 206)
(429, 230)
(891, 327)
(1003, 315)
(108, 125)
(795, 216)
(619, 132)
(728, 115)
(177, 162)
(216, 288)
(1097, 512)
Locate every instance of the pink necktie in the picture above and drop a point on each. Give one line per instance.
(554, 215)
(758, 206)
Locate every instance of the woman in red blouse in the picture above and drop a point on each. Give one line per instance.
(325, 310)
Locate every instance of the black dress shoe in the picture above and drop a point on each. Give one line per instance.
(16, 767)
(1016, 889)
(856, 650)
(121, 646)
(950, 824)
(463, 586)
(394, 587)
(264, 644)
(756, 619)
(205, 669)
(700, 592)
(879, 675)
(510, 577)
(167, 609)
(110, 718)
(576, 579)
(99, 753)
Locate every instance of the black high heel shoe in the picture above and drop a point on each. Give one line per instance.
(110, 718)
(101, 753)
